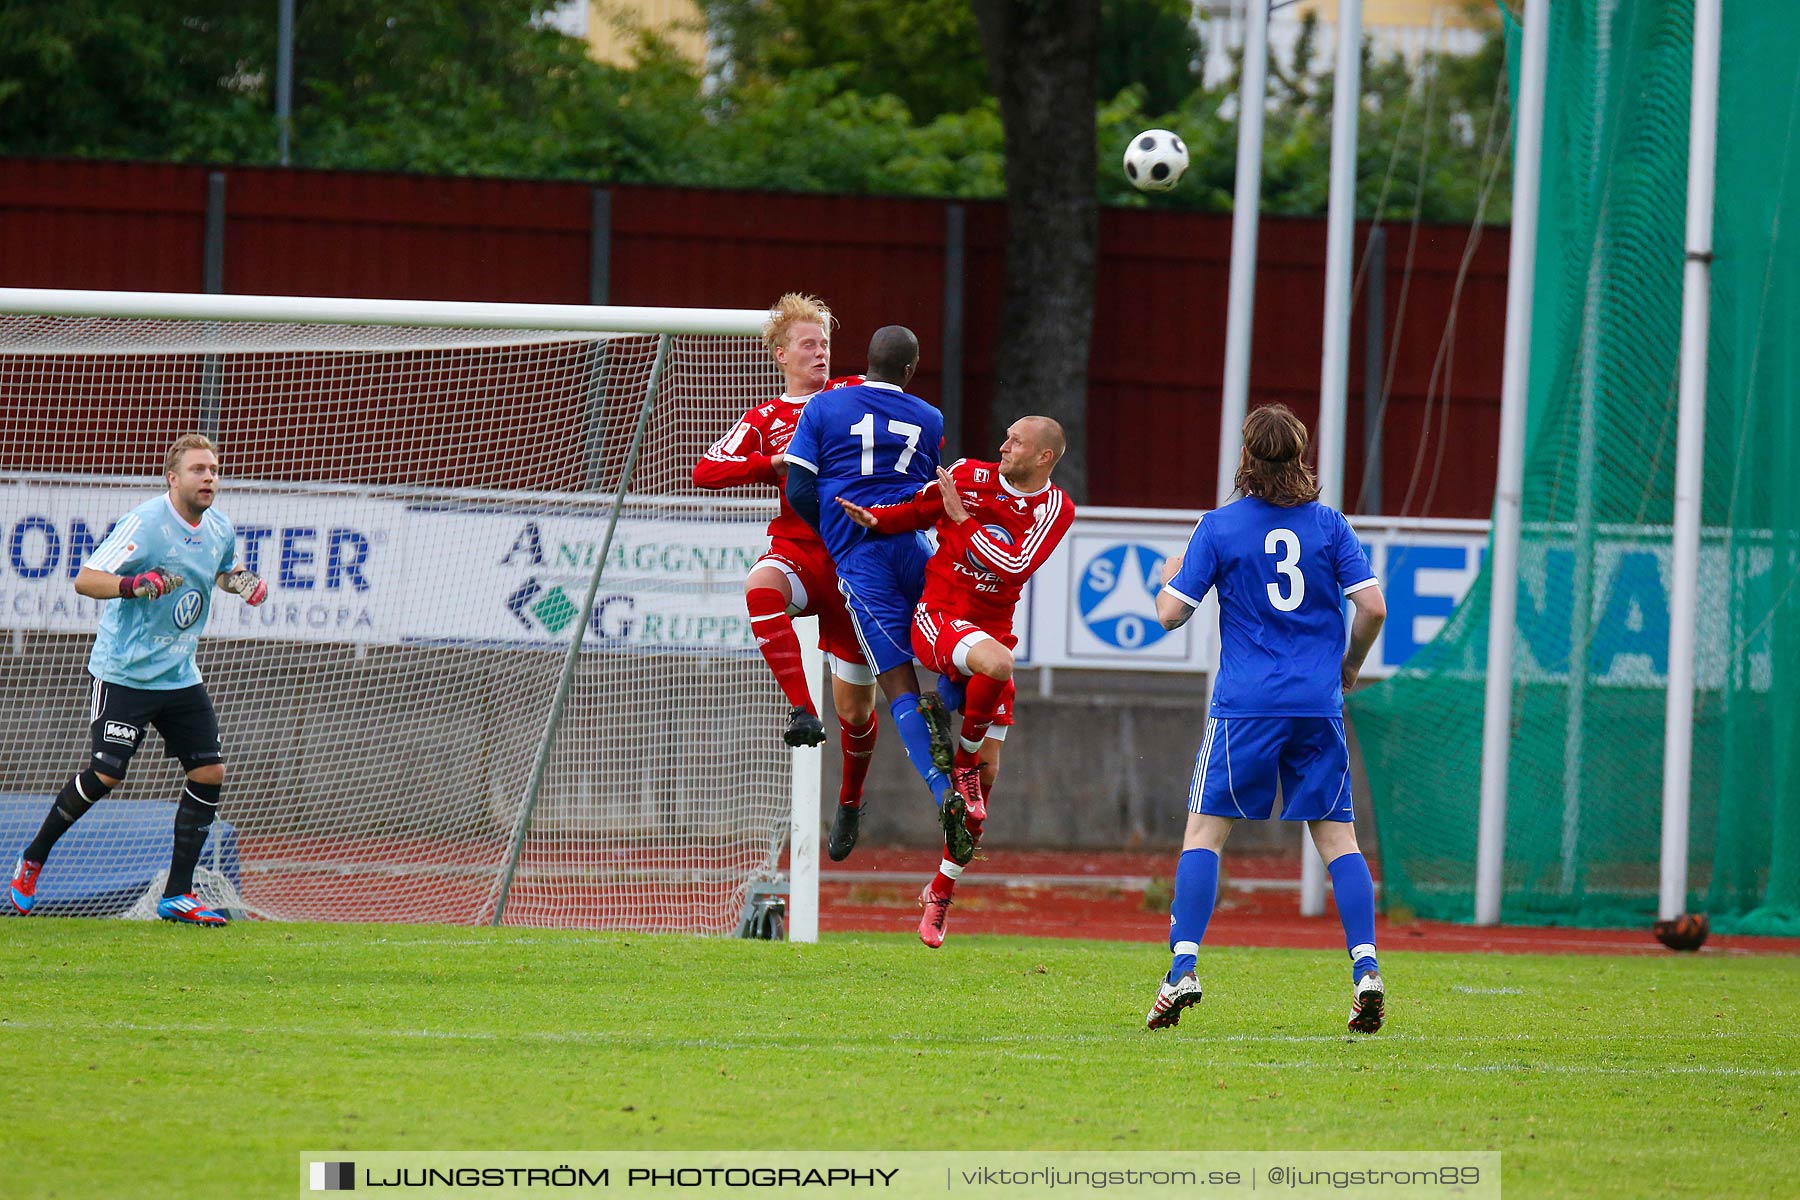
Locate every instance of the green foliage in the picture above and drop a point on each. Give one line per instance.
(1431, 136)
(1152, 45)
(1575, 1068)
(925, 52)
(817, 95)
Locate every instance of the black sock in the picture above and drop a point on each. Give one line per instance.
(193, 817)
(77, 796)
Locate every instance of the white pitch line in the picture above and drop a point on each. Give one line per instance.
(803, 1041)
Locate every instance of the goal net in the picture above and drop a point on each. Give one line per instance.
(1590, 663)
(430, 499)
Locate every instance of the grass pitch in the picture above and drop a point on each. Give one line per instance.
(145, 1059)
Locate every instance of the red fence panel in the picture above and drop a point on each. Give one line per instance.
(1159, 323)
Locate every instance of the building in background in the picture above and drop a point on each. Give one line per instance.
(608, 26)
(1408, 28)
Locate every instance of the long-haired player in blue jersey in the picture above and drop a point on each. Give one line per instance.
(160, 562)
(871, 445)
(1282, 563)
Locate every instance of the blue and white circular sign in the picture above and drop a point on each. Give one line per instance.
(1117, 595)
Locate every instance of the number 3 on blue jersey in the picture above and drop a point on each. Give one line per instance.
(1286, 546)
(865, 429)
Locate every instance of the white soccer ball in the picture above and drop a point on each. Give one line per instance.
(1155, 160)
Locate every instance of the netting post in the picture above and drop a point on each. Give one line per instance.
(803, 831)
(1334, 365)
(551, 722)
(1509, 487)
(1690, 444)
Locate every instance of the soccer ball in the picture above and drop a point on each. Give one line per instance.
(1155, 160)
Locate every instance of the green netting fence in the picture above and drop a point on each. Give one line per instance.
(1583, 830)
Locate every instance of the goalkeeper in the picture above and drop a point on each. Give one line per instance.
(143, 671)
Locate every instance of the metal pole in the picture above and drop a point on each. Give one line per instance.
(599, 245)
(212, 282)
(1690, 442)
(1334, 365)
(1240, 309)
(1509, 487)
(1374, 359)
(554, 720)
(284, 76)
(1234, 398)
(212, 252)
(950, 390)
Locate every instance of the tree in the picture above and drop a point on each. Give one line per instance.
(1152, 46)
(1043, 61)
(925, 52)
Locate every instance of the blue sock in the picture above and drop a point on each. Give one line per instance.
(917, 740)
(1196, 890)
(951, 693)
(1354, 891)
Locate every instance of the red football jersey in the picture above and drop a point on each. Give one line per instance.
(742, 456)
(981, 565)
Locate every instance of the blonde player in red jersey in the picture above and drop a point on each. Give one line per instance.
(996, 524)
(795, 577)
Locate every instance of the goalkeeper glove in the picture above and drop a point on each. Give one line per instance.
(153, 584)
(244, 582)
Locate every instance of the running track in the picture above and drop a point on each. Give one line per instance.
(1101, 895)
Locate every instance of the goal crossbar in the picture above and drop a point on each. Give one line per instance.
(434, 314)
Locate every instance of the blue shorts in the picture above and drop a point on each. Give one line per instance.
(1242, 758)
(881, 579)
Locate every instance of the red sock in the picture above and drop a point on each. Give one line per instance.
(944, 884)
(858, 746)
(780, 648)
(980, 704)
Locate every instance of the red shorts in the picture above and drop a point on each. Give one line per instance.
(813, 580)
(935, 638)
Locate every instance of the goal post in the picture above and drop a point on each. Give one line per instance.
(504, 673)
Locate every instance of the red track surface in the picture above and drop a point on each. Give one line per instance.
(883, 895)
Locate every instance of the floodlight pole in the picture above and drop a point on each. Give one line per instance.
(1246, 205)
(1509, 487)
(1240, 308)
(1690, 443)
(1334, 364)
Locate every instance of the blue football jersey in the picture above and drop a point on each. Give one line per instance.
(150, 644)
(871, 444)
(1282, 574)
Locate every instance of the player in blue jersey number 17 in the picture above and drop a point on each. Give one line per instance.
(168, 555)
(874, 444)
(1282, 564)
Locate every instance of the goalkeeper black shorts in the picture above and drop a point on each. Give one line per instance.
(119, 716)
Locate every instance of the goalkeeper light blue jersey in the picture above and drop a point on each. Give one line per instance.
(150, 643)
(1282, 575)
(871, 444)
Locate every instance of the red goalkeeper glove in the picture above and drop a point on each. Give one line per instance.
(153, 584)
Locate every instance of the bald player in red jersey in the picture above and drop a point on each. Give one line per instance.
(795, 577)
(997, 523)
